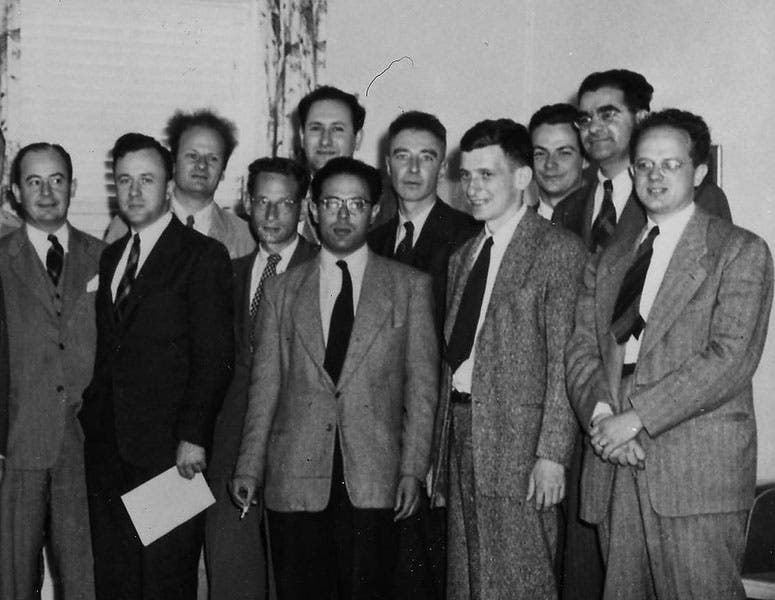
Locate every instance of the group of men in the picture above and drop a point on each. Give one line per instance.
(547, 397)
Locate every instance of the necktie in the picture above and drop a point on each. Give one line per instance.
(404, 250)
(55, 259)
(604, 225)
(464, 330)
(341, 326)
(128, 278)
(190, 221)
(270, 270)
(626, 320)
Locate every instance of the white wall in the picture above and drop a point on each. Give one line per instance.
(473, 60)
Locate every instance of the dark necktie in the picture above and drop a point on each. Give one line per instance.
(464, 330)
(604, 225)
(125, 285)
(55, 259)
(270, 270)
(404, 250)
(190, 221)
(341, 326)
(626, 320)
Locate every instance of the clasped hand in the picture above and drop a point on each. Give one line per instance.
(613, 439)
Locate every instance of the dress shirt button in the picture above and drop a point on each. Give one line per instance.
(60, 388)
(59, 313)
(58, 296)
(61, 346)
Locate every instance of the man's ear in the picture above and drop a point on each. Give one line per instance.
(442, 172)
(358, 139)
(313, 209)
(73, 187)
(374, 212)
(699, 174)
(522, 177)
(640, 115)
(387, 166)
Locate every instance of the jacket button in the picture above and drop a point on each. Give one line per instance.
(338, 395)
(60, 388)
(61, 346)
(329, 427)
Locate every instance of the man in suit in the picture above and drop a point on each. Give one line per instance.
(341, 403)
(49, 272)
(201, 143)
(505, 429)
(669, 330)
(236, 558)
(611, 104)
(165, 350)
(558, 158)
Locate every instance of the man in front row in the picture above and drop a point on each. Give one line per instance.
(505, 430)
(165, 348)
(669, 330)
(236, 560)
(341, 402)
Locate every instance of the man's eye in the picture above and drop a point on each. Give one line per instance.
(539, 155)
(486, 174)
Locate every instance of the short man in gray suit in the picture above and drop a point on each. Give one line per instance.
(505, 429)
(49, 272)
(670, 326)
(341, 404)
(201, 143)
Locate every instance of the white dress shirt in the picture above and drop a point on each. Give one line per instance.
(202, 218)
(331, 282)
(418, 221)
(622, 185)
(148, 238)
(461, 378)
(261, 259)
(545, 210)
(39, 240)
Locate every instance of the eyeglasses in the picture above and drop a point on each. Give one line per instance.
(644, 166)
(334, 204)
(284, 204)
(605, 115)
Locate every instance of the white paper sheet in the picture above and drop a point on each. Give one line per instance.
(164, 502)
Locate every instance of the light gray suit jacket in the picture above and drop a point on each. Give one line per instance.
(383, 405)
(692, 382)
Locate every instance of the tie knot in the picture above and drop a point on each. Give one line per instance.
(487, 243)
(409, 228)
(342, 265)
(54, 240)
(608, 186)
(136, 240)
(273, 260)
(190, 221)
(653, 232)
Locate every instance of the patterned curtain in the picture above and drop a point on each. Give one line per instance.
(293, 32)
(10, 65)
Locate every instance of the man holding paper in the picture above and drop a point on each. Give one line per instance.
(165, 348)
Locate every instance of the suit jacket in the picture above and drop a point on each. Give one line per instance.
(575, 211)
(226, 227)
(692, 381)
(444, 231)
(383, 405)
(162, 370)
(228, 426)
(520, 409)
(51, 356)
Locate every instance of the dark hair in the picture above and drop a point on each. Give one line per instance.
(637, 91)
(134, 142)
(328, 92)
(512, 137)
(419, 121)
(281, 166)
(556, 114)
(16, 166)
(693, 125)
(344, 165)
(181, 122)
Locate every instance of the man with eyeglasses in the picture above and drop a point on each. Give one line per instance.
(670, 327)
(236, 557)
(611, 103)
(342, 398)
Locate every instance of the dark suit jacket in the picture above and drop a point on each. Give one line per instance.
(228, 426)
(444, 231)
(5, 377)
(575, 211)
(692, 382)
(162, 370)
(51, 356)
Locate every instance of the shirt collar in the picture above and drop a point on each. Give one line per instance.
(355, 261)
(39, 238)
(285, 253)
(418, 220)
(506, 231)
(202, 215)
(672, 225)
(150, 234)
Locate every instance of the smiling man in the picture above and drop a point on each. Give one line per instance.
(505, 430)
(670, 327)
(341, 402)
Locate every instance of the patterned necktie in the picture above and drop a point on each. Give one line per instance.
(626, 320)
(341, 326)
(55, 259)
(128, 278)
(464, 330)
(605, 224)
(190, 221)
(404, 250)
(270, 270)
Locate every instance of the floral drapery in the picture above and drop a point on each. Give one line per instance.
(10, 64)
(293, 32)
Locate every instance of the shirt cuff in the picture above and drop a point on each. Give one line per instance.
(601, 409)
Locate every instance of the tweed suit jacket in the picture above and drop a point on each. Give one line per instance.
(383, 404)
(520, 409)
(692, 382)
(228, 426)
(51, 356)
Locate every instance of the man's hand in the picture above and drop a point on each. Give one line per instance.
(243, 490)
(407, 497)
(611, 432)
(190, 459)
(547, 483)
(630, 454)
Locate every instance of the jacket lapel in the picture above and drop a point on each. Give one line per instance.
(461, 264)
(217, 223)
(29, 271)
(77, 271)
(306, 315)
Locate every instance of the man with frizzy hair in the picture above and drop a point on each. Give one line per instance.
(670, 326)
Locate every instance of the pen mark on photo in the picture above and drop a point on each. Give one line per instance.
(386, 69)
